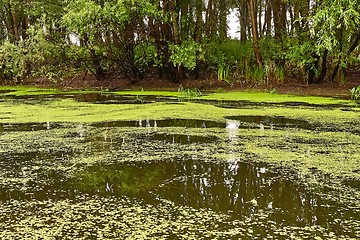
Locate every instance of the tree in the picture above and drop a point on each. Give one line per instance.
(335, 30)
(255, 33)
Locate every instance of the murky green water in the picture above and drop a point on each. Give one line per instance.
(167, 179)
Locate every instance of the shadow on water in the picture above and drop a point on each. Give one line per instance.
(270, 122)
(181, 138)
(6, 91)
(234, 187)
(241, 122)
(249, 104)
(96, 98)
(110, 98)
(12, 127)
(26, 175)
(187, 123)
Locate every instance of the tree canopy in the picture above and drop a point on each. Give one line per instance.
(314, 40)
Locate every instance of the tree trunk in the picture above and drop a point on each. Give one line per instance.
(260, 15)
(199, 21)
(254, 34)
(243, 20)
(268, 19)
(99, 72)
(323, 67)
(311, 70)
(222, 20)
(211, 19)
(351, 49)
(179, 71)
(279, 15)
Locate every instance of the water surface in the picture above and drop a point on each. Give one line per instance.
(190, 178)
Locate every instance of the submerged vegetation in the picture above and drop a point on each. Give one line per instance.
(223, 165)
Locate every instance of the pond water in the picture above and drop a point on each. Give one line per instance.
(162, 178)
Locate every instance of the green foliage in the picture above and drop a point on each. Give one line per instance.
(355, 93)
(187, 93)
(145, 55)
(256, 74)
(46, 58)
(36, 56)
(331, 18)
(130, 36)
(234, 51)
(186, 54)
(274, 73)
(12, 62)
(272, 49)
(230, 58)
(302, 56)
(223, 73)
(83, 17)
(238, 58)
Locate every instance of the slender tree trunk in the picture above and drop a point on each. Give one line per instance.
(198, 21)
(260, 15)
(212, 15)
(254, 34)
(243, 20)
(179, 71)
(99, 72)
(208, 17)
(323, 67)
(268, 18)
(337, 67)
(283, 18)
(279, 15)
(222, 19)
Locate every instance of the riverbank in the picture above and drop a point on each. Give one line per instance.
(290, 86)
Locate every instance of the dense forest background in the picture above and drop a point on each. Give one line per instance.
(314, 40)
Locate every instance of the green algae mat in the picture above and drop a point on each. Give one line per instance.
(161, 165)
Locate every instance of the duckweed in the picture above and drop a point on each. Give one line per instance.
(75, 169)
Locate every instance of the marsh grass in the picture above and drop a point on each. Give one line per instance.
(355, 93)
(188, 94)
(223, 73)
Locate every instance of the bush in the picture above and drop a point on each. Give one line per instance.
(12, 62)
(186, 54)
(146, 55)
